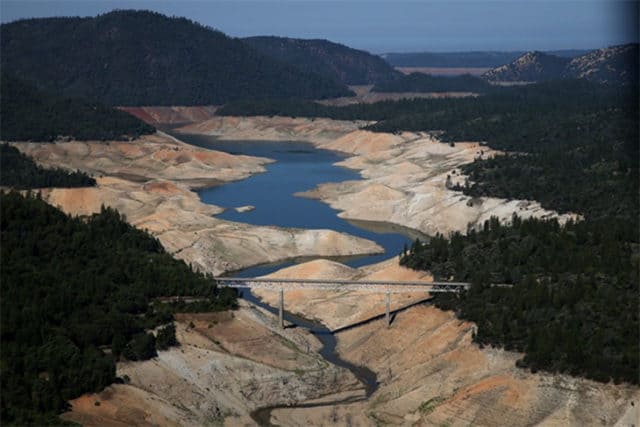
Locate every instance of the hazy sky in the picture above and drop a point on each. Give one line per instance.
(389, 26)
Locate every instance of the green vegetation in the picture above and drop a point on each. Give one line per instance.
(503, 116)
(20, 171)
(72, 287)
(31, 115)
(144, 58)
(420, 82)
(574, 146)
(428, 406)
(573, 307)
(333, 60)
(573, 304)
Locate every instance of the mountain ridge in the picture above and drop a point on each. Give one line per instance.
(614, 64)
(132, 57)
(343, 63)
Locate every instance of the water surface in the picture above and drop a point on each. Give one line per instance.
(299, 167)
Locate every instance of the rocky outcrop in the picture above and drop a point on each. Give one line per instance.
(610, 65)
(150, 180)
(530, 67)
(616, 64)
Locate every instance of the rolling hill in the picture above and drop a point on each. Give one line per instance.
(616, 64)
(464, 59)
(530, 67)
(347, 65)
(144, 58)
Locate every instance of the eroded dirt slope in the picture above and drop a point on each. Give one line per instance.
(405, 175)
(227, 365)
(150, 181)
(431, 373)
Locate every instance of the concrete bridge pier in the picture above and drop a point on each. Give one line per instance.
(387, 312)
(281, 309)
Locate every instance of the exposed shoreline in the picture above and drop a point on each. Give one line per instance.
(151, 182)
(404, 176)
(429, 370)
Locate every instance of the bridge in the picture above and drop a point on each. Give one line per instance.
(388, 287)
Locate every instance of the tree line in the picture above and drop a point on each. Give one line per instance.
(29, 114)
(77, 296)
(420, 82)
(20, 171)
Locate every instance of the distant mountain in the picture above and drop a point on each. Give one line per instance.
(347, 65)
(479, 59)
(145, 58)
(530, 67)
(617, 64)
(419, 82)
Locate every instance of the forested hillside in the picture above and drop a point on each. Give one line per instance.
(490, 117)
(419, 82)
(145, 58)
(73, 288)
(29, 114)
(572, 145)
(19, 171)
(613, 65)
(339, 62)
(573, 306)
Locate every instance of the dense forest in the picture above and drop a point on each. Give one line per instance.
(573, 307)
(20, 171)
(77, 295)
(420, 82)
(333, 60)
(612, 65)
(144, 58)
(31, 115)
(574, 304)
(503, 116)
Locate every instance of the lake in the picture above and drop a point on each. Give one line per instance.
(299, 167)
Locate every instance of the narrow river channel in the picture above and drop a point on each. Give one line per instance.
(299, 167)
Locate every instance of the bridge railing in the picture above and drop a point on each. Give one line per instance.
(322, 284)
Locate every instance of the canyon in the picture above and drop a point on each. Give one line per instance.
(229, 365)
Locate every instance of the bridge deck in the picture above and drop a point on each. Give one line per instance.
(341, 285)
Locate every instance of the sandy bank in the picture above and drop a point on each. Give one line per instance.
(150, 181)
(341, 309)
(404, 175)
(227, 365)
(157, 156)
(429, 370)
(431, 373)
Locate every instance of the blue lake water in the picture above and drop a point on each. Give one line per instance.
(299, 167)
